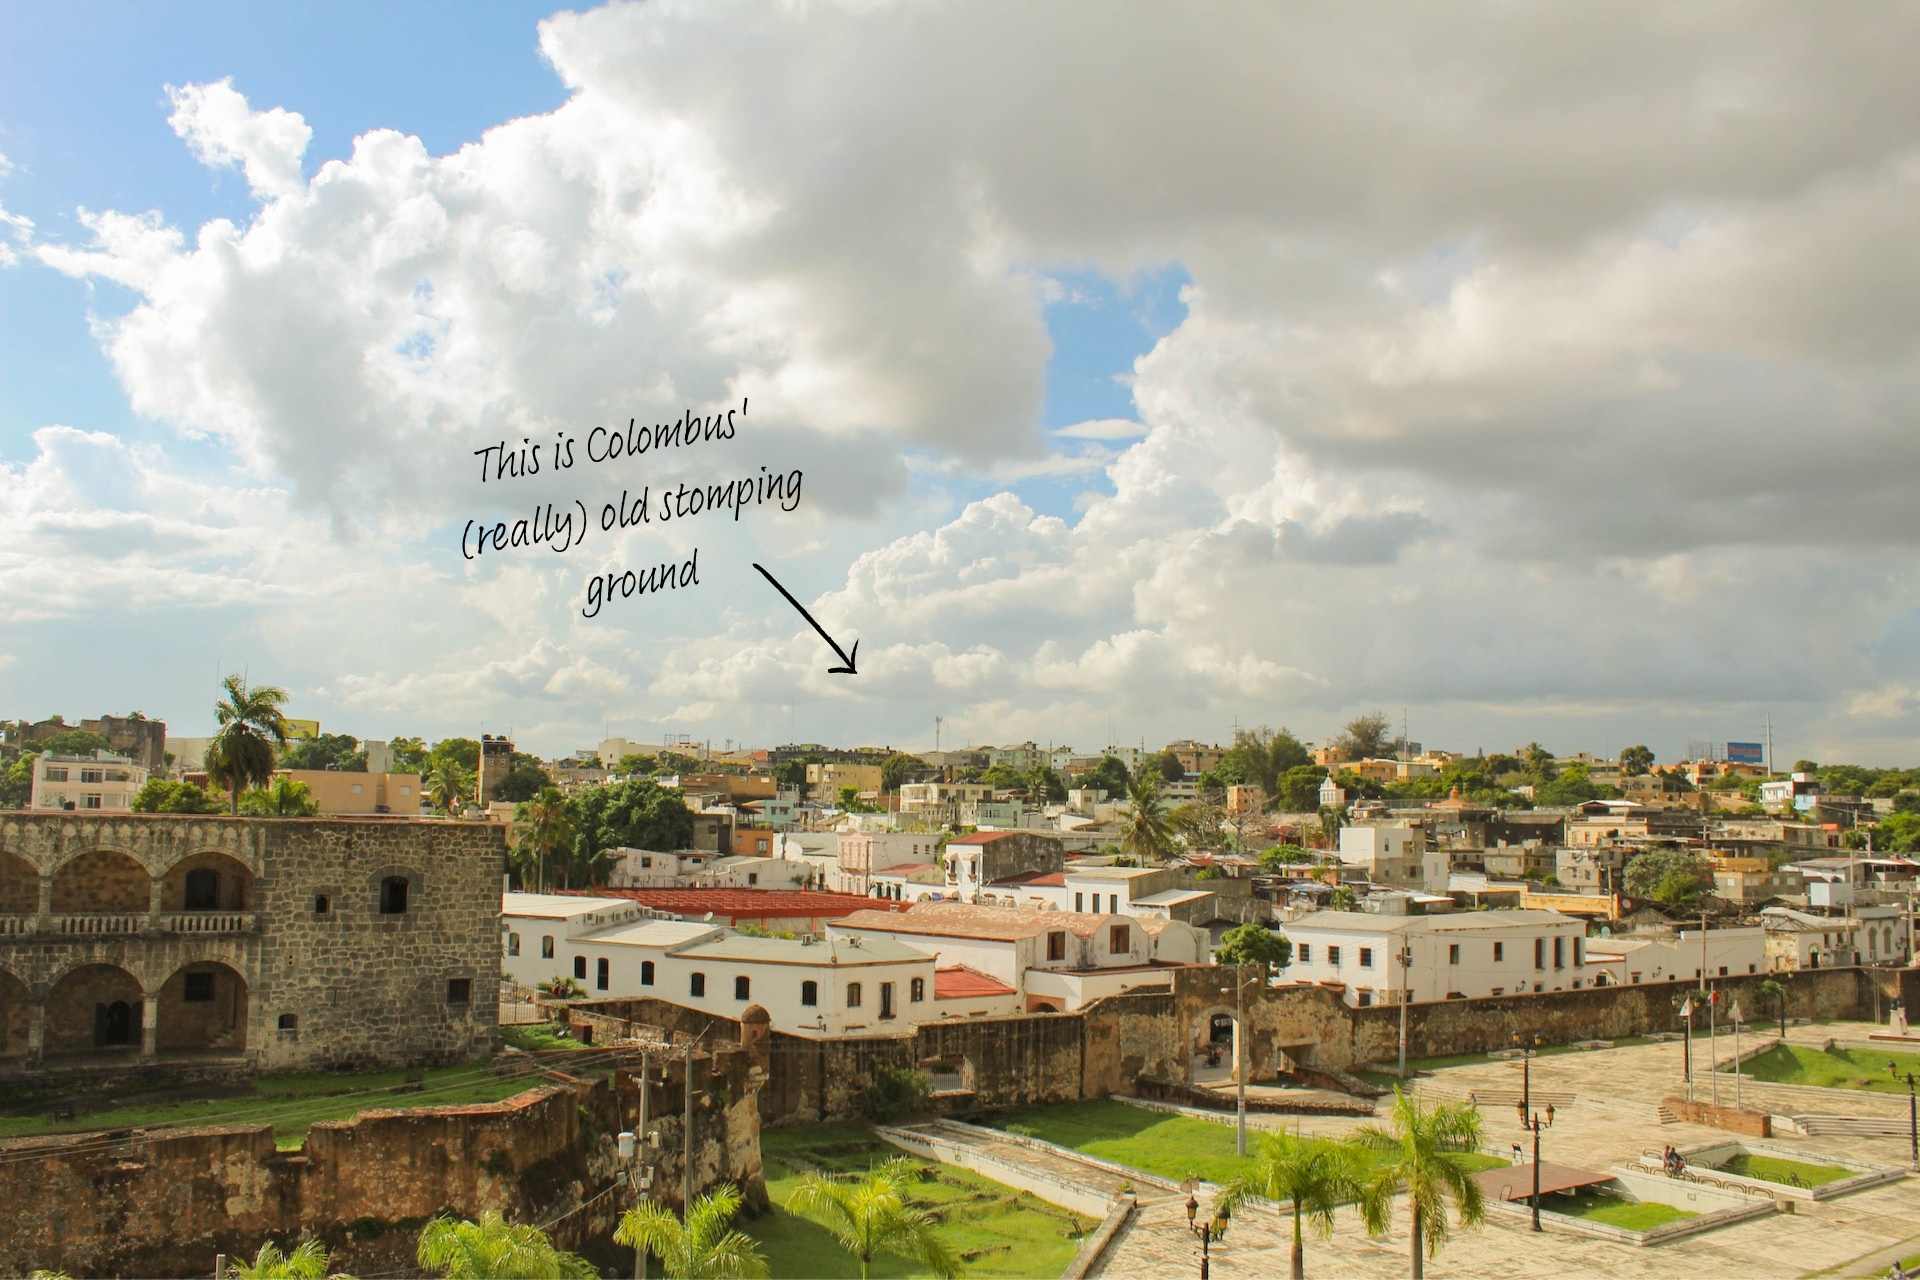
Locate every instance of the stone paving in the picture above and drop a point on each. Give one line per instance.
(1613, 1118)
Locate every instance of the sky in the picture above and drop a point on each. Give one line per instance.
(1528, 373)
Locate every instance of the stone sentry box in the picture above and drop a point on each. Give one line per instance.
(158, 940)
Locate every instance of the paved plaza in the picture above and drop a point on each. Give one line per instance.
(1614, 1117)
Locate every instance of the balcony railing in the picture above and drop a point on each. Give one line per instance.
(210, 922)
(102, 924)
(14, 926)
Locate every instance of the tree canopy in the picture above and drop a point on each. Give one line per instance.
(328, 751)
(899, 768)
(1365, 737)
(1672, 877)
(158, 795)
(525, 780)
(636, 814)
(1254, 944)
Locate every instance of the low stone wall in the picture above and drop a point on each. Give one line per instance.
(1189, 1095)
(1755, 1124)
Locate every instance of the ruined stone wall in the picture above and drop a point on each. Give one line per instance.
(163, 1203)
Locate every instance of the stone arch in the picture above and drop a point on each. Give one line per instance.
(102, 882)
(207, 881)
(95, 1008)
(19, 885)
(1215, 1049)
(16, 1012)
(203, 1006)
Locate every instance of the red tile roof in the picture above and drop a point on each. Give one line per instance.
(1024, 878)
(751, 904)
(962, 983)
(984, 837)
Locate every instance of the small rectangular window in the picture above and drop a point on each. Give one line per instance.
(602, 973)
(697, 985)
(853, 995)
(1539, 953)
(917, 990)
(1057, 945)
(1559, 953)
(322, 905)
(753, 878)
(1079, 903)
(580, 968)
(1499, 951)
(886, 1000)
(1113, 904)
(289, 1022)
(1366, 957)
(459, 990)
(742, 987)
(513, 944)
(646, 973)
(197, 988)
(1119, 939)
(1453, 953)
(810, 993)
(1333, 956)
(393, 896)
(1306, 953)
(546, 947)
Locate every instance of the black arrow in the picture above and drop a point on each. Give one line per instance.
(844, 655)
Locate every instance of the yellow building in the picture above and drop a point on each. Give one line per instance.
(338, 792)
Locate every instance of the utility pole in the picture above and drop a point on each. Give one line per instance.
(646, 1079)
(1406, 962)
(1240, 1056)
(686, 1140)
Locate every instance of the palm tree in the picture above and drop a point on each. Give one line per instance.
(251, 730)
(1315, 1177)
(1771, 990)
(491, 1249)
(448, 786)
(1424, 1141)
(285, 798)
(547, 828)
(704, 1248)
(1332, 818)
(871, 1216)
(1145, 834)
(308, 1261)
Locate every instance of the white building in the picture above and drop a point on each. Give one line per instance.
(1802, 940)
(100, 782)
(824, 987)
(1630, 959)
(863, 854)
(1057, 960)
(1332, 794)
(1448, 957)
(1395, 851)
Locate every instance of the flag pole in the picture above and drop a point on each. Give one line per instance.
(1736, 1056)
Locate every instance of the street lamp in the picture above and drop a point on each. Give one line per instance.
(1534, 1124)
(1913, 1112)
(1209, 1231)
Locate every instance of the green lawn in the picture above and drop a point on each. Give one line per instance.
(1833, 1068)
(1785, 1172)
(1613, 1211)
(291, 1103)
(996, 1230)
(1173, 1146)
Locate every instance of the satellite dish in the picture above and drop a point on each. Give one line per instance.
(708, 917)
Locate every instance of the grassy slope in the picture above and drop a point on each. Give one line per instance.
(996, 1230)
(1832, 1068)
(1172, 1146)
(1775, 1169)
(1615, 1212)
(292, 1103)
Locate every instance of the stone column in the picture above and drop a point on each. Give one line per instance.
(150, 1029)
(45, 911)
(153, 905)
(36, 1032)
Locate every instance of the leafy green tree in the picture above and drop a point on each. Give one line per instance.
(448, 785)
(409, 755)
(1044, 784)
(158, 795)
(1311, 1177)
(1299, 788)
(1254, 944)
(1143, 832)
(898, 768)
(1284, 752)
(16, 783)
(872, 1217)
(893, 1092)
(1537, 761)
(308, 1261)
(1898, 833)
(1774, 991)
(705, 1247)
(790, 773)
(464, 752)
(72, 742)
(1365, 737)
(1200, 824)
(1166, 764)
(1422, 1146)
(1573, 785)
(546, 825)
(251, 730)
(636, 814)
(328, 751)
(1636, 760)
(284, 797)
(493, 1249)
(1004, 777)
(1674, 877)
(639, 764)
(1341, 899)
(525, 780)
(1332, 818)
(1110, 776)
(1283, 855)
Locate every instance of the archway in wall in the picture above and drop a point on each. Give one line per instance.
(1214, 1048)
(207, 882)
(203, 1009)
(19, 886)
(15, 1014)
(97, 1008)
(101, 882)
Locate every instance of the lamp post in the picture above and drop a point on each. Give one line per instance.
(1913, 1114)
(1406, 963)
(1534, 1124)
(1686, 1060)
(1209, 1231)
(1240, 1054)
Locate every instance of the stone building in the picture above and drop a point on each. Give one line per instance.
(254, 943)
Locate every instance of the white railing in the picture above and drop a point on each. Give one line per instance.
(210, 922)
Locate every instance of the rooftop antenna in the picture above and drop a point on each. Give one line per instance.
(937, 722)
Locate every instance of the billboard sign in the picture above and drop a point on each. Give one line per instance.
(298, 729)
(1746, 753)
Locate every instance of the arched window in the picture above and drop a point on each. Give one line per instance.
(202, 890)
(646, 973)
(917, 990)
(580, 968)
(698, 984)
(393, 896)
(853, 995)
(602, 973)
(810, 993)
(513, 944)
(546, 947)
(742, 985)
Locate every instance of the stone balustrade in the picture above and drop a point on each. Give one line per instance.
(126, 923)
(98, 924)
(210, 922)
